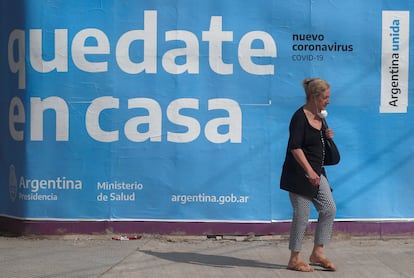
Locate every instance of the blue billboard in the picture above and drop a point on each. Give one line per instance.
(179, 110)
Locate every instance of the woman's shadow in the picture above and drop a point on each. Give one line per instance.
(211, 260)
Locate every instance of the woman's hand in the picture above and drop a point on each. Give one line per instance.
(329, 133)
(314, 178)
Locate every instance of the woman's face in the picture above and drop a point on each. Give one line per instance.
(322, 100)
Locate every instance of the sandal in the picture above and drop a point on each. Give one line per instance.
(300, 266)
(324, 263)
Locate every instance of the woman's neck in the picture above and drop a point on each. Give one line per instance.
(311, 108)
(313, 119)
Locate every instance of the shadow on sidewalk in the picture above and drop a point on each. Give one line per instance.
(210, 260)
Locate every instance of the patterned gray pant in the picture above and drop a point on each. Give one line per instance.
(324, 204)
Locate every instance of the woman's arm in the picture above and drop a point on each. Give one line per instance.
(300, 157)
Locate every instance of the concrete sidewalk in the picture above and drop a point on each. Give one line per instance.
(186, 256)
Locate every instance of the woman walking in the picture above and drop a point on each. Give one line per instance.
(304, 177)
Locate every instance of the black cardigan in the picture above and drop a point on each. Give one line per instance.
(302, 136)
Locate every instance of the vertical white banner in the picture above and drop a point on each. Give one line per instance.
(395, 61)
